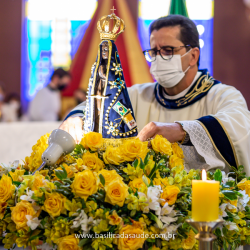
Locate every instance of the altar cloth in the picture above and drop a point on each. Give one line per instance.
(17, 138)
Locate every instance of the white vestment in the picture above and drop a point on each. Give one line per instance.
(222, 103)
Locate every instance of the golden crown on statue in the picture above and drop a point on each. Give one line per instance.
(103, 26)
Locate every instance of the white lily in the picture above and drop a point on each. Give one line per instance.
(222, 212)
(225, 177)
(33, 223)
(154, 199)
(28, 196)
(231, 225)
(83, 221)
(168, 230)
(242, 201)
(6, 168)
(167, 214)
(46, 246)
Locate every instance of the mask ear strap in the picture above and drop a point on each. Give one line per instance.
(187, 52)
(187, 69)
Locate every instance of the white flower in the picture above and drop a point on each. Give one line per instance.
(33, 223)
(231, 225)
(225, 177)
(222, 212)
(84, 222)
(28, 196)
(6, 168)
(167, 210)
(154, 199)
(242, 201)
(46, 246)
(167, 230)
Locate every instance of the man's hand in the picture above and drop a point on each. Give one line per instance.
(171, 131)
(73, 125)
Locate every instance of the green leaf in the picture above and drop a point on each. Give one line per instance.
(17, 183)
(152, 171)
(218, 175)
(83, 203)
(230, 195)
(60, 174)
(64, 171)
(135, 163)
(147, 158)
(84, 242)
(142, 166)
(102, 179)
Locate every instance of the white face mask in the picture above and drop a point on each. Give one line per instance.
(168, 73)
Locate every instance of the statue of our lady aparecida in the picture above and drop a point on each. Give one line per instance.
(108, 107)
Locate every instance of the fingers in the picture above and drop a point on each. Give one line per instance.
(149, 131)
(78, 130)
(74, 127)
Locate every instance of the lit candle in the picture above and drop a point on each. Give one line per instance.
(205, 199)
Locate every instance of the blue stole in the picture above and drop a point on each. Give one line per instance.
(199, 89)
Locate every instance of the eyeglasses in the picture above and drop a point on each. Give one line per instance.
(165, 52)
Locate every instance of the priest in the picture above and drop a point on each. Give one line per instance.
(209, 119)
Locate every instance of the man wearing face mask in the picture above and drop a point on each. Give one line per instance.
(209, 119)
(46, 105)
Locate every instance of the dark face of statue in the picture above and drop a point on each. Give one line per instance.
(105, 50)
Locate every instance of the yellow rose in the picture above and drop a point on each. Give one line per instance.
(177, 150)
(17, 175)
(114, 219)
(84, 184)
(175, 161)
(109, 175)
(38, 181)
(244, 185)
(134, 148)
(190, 241)
(69, 169)
(19, 212)
(69, 242)
(161, 145)
(35, 160)
(161, 182)
(54, 204)
(139, 185)
(3, 206)
(92, 161)
(116, 192)
(169, 194)
(113, 155)
(6, 188)
(132, 239)
(92, 140)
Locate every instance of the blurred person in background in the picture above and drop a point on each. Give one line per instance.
(11, 108)
(46, 105)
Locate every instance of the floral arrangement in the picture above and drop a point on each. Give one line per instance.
(126, 197)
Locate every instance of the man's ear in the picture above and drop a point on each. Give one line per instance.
(195, 53)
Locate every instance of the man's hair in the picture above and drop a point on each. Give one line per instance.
(188, 32)
(60, 72)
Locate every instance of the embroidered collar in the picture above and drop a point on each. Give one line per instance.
(199, 89)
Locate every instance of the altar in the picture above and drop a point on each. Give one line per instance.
(17, 138)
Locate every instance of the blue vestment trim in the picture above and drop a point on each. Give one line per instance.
(80, 112)
(199, 89)
(220, 139)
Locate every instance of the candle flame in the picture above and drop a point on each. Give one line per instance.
(204, 175)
